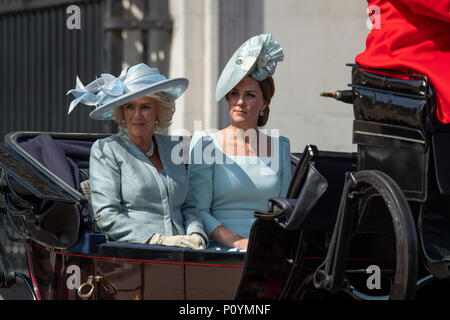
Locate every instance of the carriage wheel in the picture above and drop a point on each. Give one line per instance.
(367, 197)
(377, 194)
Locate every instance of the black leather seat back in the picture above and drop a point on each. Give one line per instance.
(393, 126)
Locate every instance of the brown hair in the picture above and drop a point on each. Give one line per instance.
(268, 89)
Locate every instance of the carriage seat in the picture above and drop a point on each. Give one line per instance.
(67, 159)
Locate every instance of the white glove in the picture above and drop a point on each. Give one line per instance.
(192, 241)
(198, 238)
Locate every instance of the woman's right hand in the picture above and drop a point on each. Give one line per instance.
(241, 244)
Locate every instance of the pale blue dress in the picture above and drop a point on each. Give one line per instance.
(228, 189)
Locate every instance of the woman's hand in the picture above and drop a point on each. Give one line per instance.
(241, 244)
(198, 238)
(229, 238)
(192, 241)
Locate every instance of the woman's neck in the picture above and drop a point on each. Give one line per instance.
(236, 140)
(242, 127)
(144, 143)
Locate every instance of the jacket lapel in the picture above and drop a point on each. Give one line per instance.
(165, 151)
(140, 155)
(165, 154)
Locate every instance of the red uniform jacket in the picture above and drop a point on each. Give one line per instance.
(412, 36)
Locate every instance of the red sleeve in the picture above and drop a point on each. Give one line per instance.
(436, 9)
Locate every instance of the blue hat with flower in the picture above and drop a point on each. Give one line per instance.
(257, 57)
(108, 92)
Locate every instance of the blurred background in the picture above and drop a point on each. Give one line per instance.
(45, 44)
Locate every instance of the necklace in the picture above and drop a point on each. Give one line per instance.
(150, 153)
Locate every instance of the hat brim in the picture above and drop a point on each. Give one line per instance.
(174, 88)
(231, 75)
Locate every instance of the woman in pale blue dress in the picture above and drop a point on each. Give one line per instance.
(234, 171)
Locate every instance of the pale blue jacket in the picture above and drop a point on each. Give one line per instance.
(130, 196)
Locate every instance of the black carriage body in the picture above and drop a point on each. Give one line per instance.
(63, 248)
(284, 250)
(287, 246)
(391, 126)
(397, 132)
(127, 271)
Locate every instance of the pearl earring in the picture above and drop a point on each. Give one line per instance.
(261, 113)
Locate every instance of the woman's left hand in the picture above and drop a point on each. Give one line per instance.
(199, 239)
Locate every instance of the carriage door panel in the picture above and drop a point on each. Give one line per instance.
(138, 280)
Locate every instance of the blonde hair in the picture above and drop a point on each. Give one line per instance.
(166, 110)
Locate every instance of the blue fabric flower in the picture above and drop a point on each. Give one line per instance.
(266, 58)
(108, 92)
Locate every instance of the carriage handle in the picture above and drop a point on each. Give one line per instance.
(90, 283)
(345, 96)
(90, 286)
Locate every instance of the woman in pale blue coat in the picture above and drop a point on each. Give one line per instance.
(138, 192)
(233, 172)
